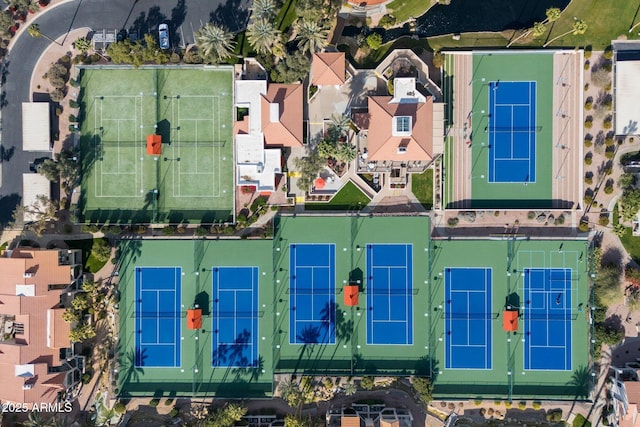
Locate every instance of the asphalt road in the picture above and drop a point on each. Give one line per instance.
(141, 16)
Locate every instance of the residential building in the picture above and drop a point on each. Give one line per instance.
(328, 68)
(271, 120)
(362, 415)
(37, 360)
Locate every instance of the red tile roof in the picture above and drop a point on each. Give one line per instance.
(328, 68)
(383, 145)
(282, 115)
(40, 316)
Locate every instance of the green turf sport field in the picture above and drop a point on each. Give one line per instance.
(350, 353)
(192, 180)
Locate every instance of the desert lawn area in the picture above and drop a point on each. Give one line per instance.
(349, 197)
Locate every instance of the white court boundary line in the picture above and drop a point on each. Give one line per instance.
(408, 248)
(488, 326)
(566, 309)
(254, 291)
(331, 295)
(138, 172)
(216, 155)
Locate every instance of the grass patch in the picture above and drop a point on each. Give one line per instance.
(581, 421)
(405, 9)
(616, 215)
(287, 15)
(602, 17)
(91, 263)
(4, 246)
(349, 197)
(631, 244)
(422, 187)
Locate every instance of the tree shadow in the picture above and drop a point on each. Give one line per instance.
(427, 366)
(233, 14)
(234, 354)
(6, 153)
(8, 205)
(145, 22)
(613, 255)
(614, 323)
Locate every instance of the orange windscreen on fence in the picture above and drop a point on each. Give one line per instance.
(154, 145)
(351, 295)
(510, 320)
(194, 318)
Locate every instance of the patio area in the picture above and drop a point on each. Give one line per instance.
(331, 100)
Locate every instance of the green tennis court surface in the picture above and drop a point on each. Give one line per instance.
(426, 307)
(535, 187)
(191, 180)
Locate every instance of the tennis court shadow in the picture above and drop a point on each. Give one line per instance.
(512, 301)
(164, 129)
(356, 276)
(202, 301)
(428, 367)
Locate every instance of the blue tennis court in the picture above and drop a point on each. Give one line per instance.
(512, 132)
(389, 294)
(547, 319)
(158, 315)
(235, 316)
(468, 317)
(312, 287)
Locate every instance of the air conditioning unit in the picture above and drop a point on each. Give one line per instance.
(27, 386)
(27, 275)
(402, 150)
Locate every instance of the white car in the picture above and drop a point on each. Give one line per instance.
(163, 33)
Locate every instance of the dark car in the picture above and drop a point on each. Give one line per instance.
(163, 34)
(33, 166)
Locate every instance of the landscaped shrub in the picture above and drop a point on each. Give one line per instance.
(588, 122)
(588, 140)
(531, 215)
(453, 221)
(588, 104)
(608, 122)
(86, 378)
(168, 402)
(119, 407)
(608, 52)
(201, 231)
(174, 413)
(588, 158)
(588, 178)
(603, 220)
(522, 404)
(483, 411)
(587, 65)
(168, 230)
(584, 226)
(588, 198)
(367, 383)
(610, 153)
(387, 20)
(536, 405)
(554, 415)
(154, 402)
(374, 41)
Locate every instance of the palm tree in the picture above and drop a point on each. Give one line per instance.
(216, 43)
(553, 13)
(82, 44)
(264, 9)
(341, 122)
(350, 389)
(579, 27)
(34, 31)
(539, 29)
(311, 35)
(263, 35)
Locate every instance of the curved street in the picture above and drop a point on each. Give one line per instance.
(141, 16)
